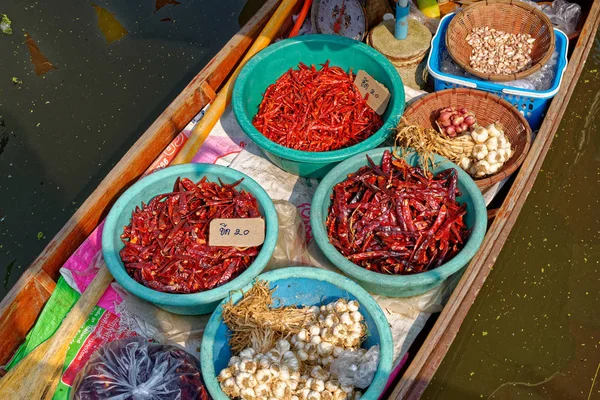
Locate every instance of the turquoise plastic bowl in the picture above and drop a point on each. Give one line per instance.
(398, 285)
(304, 286)
(162, 182)
(268, 65)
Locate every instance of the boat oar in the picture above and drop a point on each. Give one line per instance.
(36, 375)
(218, 105)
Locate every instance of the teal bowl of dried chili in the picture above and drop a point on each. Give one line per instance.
(399, 285)
(268, 65)
(162, 182)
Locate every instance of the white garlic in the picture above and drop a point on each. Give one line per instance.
(225, 374)
(283, 345)
(313, 395)
(465, 163)
(356, 316)
(340, 306)
(346, 319)
(492, 144)
(329, 322)
(352, 341)
(353, 305)
(326, 395)
(304, 393)
(233, 360)
(302, 355)
(319, 372)
(228, 383)
(326, 334)
(312, 356)
(300, 345)
(329, 307)
(327, 360)
(275, 369)
(280, 389)
(495, 130)
(323, 309)
(482, 168)
(480, 134)
(480, 151)
(325, 348)
(337, 350)
(248, 366)
(494, 168)
(315, 339)
(248, 353)
(292, 384)
(294, 397)
(318, 385)
(303, 335)
(502, 141)
(314, 309)
(339, 394)
(332, 386)
(340, 330)
(262, 390)
(247, 393)
(284, 374)
(492, 157)
(315, 330)
(244, 380)
(263, 375)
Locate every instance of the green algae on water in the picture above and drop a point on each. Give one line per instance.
(5, 25)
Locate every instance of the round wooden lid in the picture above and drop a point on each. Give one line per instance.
(382, 39)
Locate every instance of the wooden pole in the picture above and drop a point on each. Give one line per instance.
(217, 107)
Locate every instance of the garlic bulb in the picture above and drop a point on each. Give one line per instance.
(492, 143)
(480, 151)
(480, 134)
(495, 130)
(465, 163)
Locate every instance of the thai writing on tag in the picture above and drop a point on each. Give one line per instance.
(375, 93)
(236, 232)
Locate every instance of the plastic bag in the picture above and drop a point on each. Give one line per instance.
(355, 367)
(563, 15)
(291, 240)
(136, 369)
(430, 23)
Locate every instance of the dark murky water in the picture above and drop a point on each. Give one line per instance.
(534, 330)
(62, 132)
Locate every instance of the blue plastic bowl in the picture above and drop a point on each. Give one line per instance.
(398, 285)
(162, 182)
(268, 65)
(304, 286)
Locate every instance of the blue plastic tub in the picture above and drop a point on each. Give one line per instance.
(303, 286)
(162, 182)
(398, 285)
(268, 65)
(532, 104)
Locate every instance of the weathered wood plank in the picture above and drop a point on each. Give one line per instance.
(426, 362)
(19, 309)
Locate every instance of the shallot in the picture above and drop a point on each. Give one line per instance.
(452, 121)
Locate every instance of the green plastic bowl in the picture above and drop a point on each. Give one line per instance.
(398, 285)
(162, 182)
(268, 65)
(305, 286)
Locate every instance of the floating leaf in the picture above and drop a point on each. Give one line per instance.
(166, 20)
(161, 3)
(40, 62)
(110, 27)
(40, 235)
(5, 25)
(17, 81)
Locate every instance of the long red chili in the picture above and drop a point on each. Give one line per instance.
(394, 219)
(316, 110)
(166, 242)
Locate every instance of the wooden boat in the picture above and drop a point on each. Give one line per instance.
(20, 309)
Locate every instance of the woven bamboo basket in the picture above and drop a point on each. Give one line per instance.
(509, 16)
(488, 108)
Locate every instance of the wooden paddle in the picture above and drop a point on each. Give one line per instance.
(36, 375)
(218, 105)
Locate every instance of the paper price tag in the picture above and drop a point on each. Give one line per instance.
(236, 232)
(375, 93)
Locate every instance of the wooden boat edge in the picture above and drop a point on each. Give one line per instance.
(430, 355)
(22, 305)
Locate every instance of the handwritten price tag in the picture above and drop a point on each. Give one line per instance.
(236, 232)
(375, 93)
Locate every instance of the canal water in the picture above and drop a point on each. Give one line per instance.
(107, 69)
(534, 330)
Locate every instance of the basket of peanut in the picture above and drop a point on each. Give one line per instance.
(500, 40)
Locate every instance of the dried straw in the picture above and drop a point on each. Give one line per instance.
(427, 142)
(253, 317)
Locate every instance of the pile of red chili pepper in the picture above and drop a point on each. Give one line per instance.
(166, 243)
(316, 110)
(395, 219)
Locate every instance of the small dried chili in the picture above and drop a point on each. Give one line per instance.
(166, 243)
(316, 110)
(395, 219)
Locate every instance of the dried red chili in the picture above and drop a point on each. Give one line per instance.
(315, 110)
(394, 219)
(166, 243)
